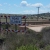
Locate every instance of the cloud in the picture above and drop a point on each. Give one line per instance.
(24, 3)
(5, 3)
(35, 11)
(37, 5)
(43, 11)
(48, 6)
(1, 9)
(28, 11)
(9, 4)
(15, 4)
(0, 4)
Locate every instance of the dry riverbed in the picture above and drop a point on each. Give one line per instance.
(38, 28)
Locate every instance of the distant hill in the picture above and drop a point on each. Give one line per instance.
(31, 16)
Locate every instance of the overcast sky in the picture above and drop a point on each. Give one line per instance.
(24, 6)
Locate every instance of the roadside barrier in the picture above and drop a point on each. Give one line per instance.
(7, 23)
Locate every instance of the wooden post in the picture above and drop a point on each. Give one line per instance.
(6, 24)
(25, 24)
(15, 28)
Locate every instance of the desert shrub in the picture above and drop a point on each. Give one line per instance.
(31, 33)
(46, 35)
(28, 47)
(46, 29)
(49, 19)
(39, 36)
(47, 47)
(42, 44)
(4, 26)
(23, 41)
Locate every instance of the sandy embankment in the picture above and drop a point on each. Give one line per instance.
(38, 28)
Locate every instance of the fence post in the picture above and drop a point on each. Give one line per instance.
(25, 24)
(6, 24)
(15, 28)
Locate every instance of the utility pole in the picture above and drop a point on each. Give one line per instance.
(0, 24)
(38, 13)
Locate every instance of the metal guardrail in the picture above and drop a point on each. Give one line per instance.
(28, 20)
